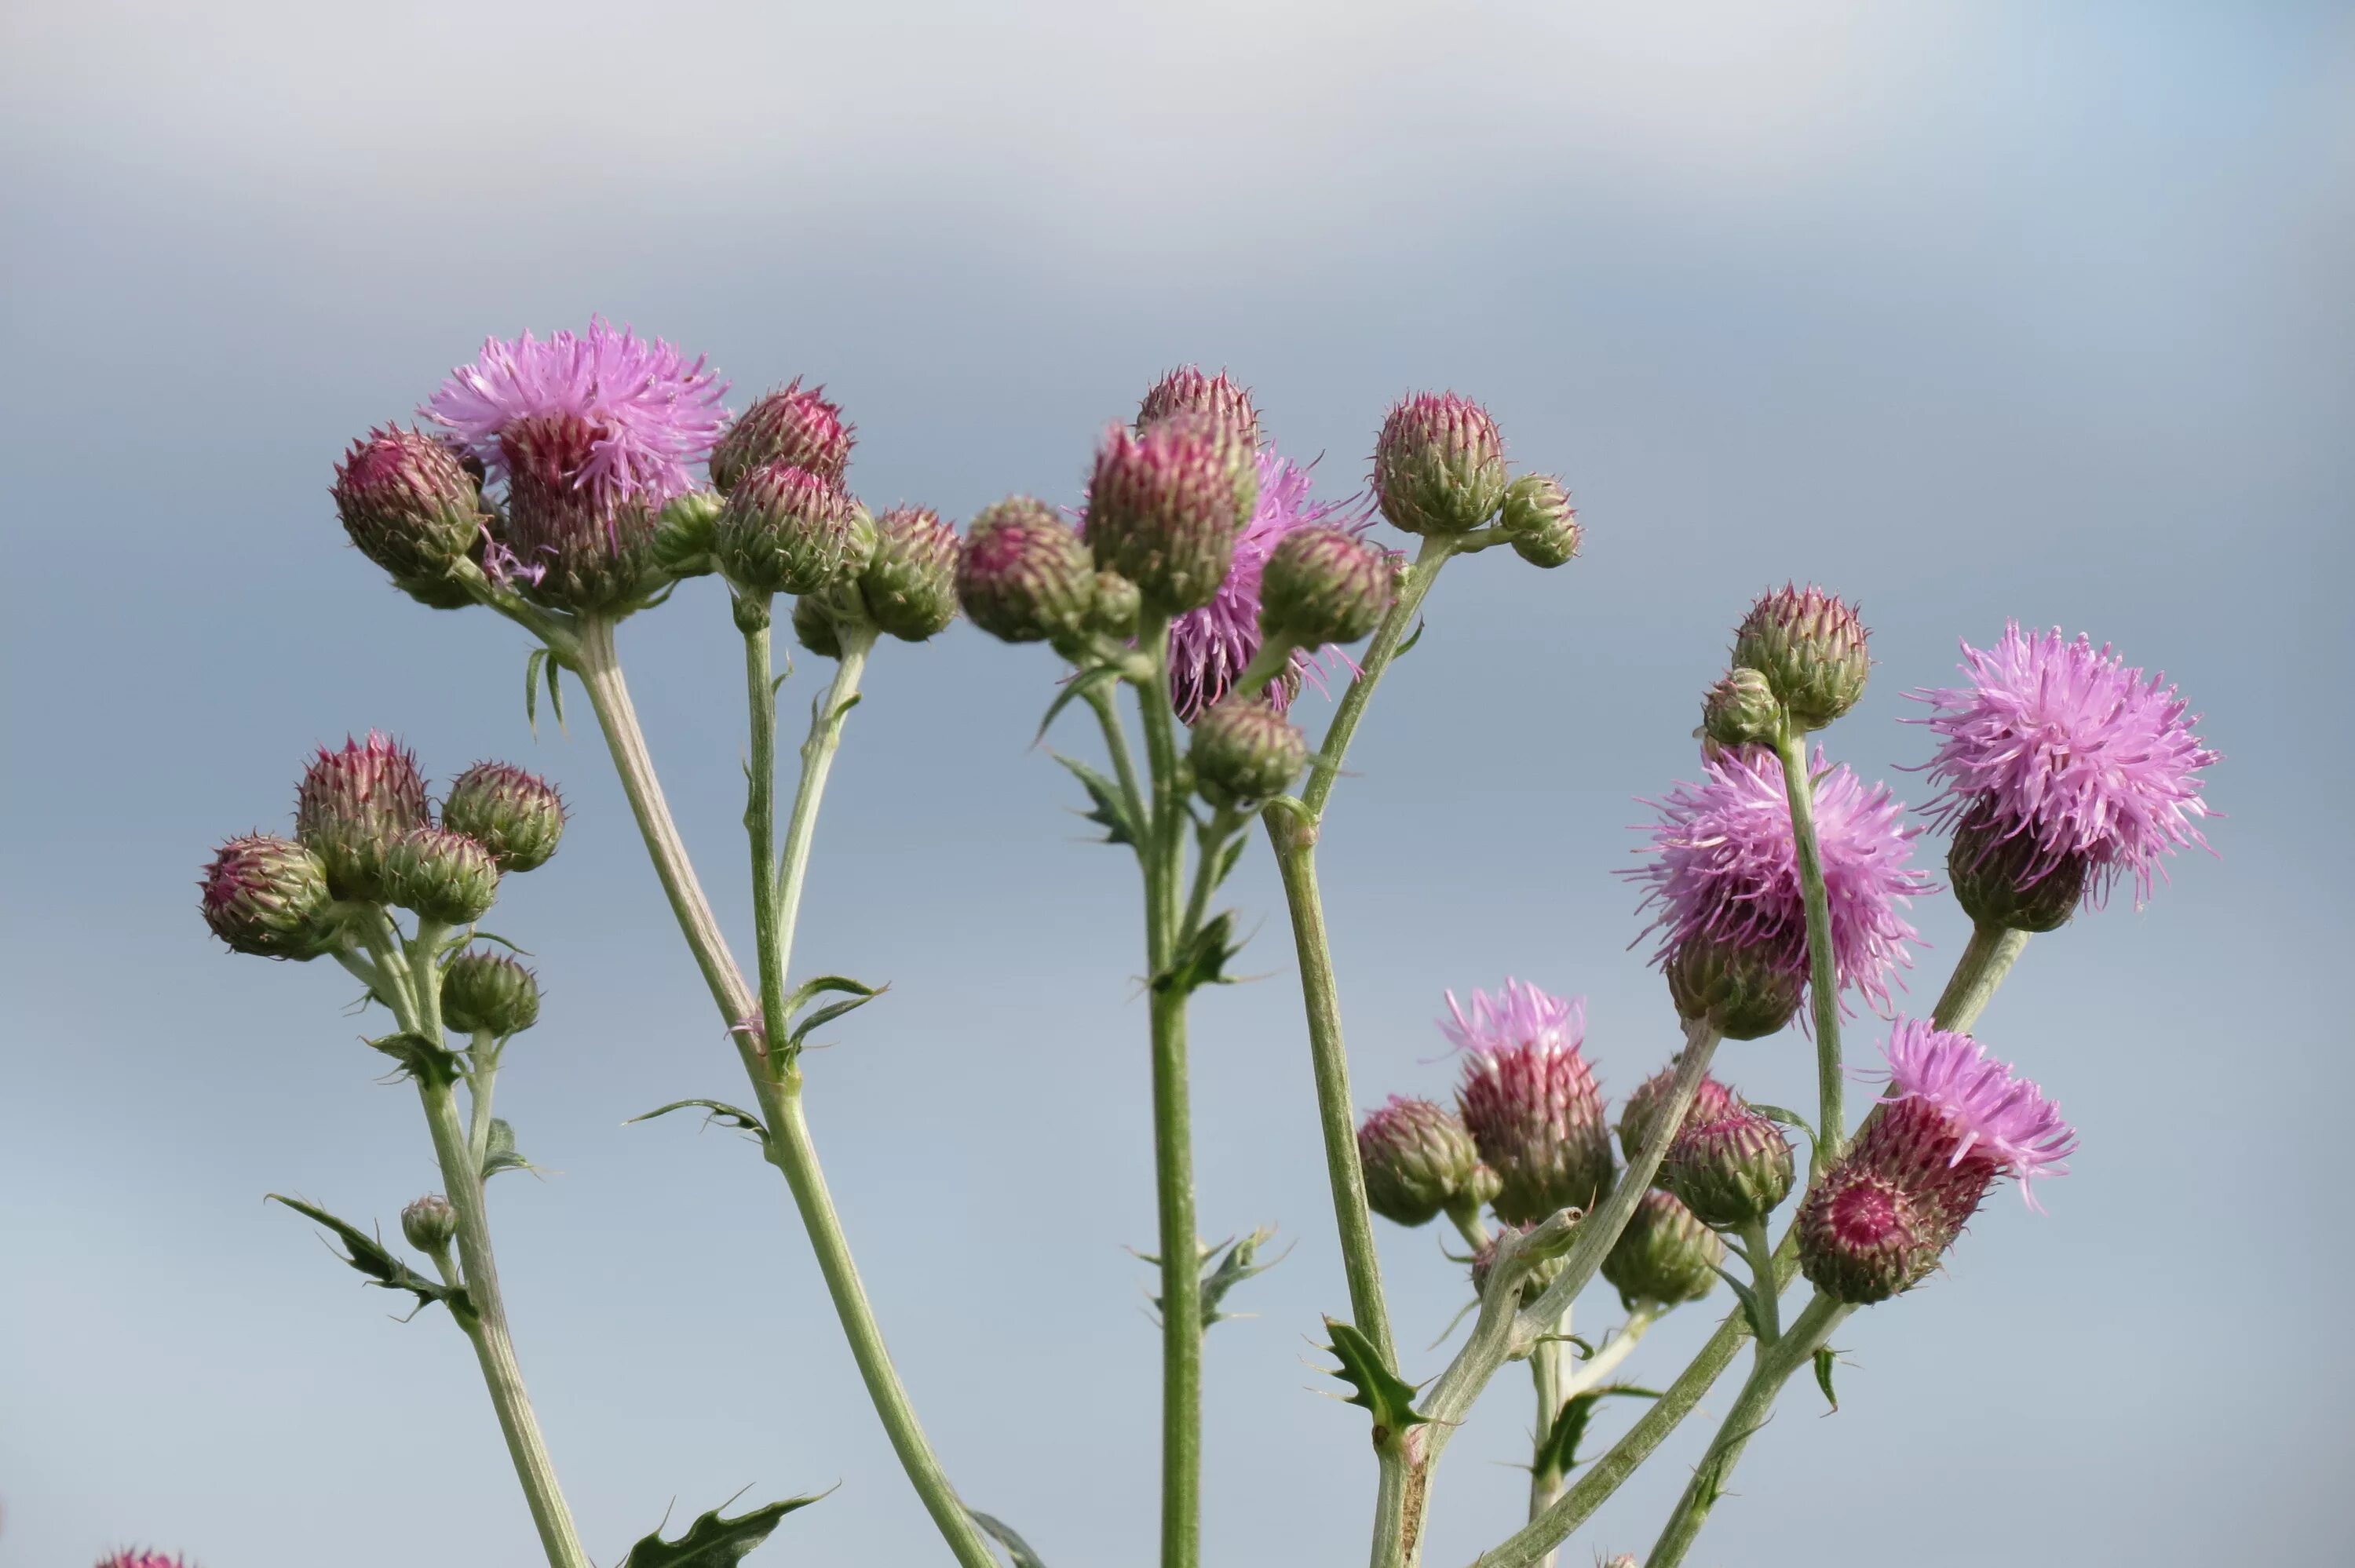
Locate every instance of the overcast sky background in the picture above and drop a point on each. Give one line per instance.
(1967, 311)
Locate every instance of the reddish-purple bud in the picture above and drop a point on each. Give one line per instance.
(793, 426)
(2005, 877)
(1166, 507)
(1025, 577)
(352, 806)
(1539, 520)
(1730, 1170)
(1243, 752)
(440, 875)
(1323, 585)
(1420, 1161)
(1187, 390)
(267, 896)
(1710, 1101)
(516, 816)
(910, 586)
(1537, 1116)
(1880, 1219)
(1439, 464)
(578, 545)
(408, 503)
(1811, 648)
(787, 530)
(485, 991)
(1665, 1256)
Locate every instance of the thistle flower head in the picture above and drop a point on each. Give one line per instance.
(1167, 505)
(1025, 577)
(429, 1223)
(441, 875)
(1245, 752)
(354, 805)
(910, 586)
(787, 530)
(1987, 1109)
(516, 816)
(1730, 1169)
(1209, 646)
(1725, 869)
(1711, 1101)
(482, 989)
(1539, 520)
(1325, 585)
(1188, 390)
(1665, 1256)
(267, 896)
(2077, 761)
(1530, 1099)
(1420, 1160)
(794, 426)
(1811, 647)
(1439, 464)
(408, 501)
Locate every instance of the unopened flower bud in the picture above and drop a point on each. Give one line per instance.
(1420, 1161)
(354, 805)
(1322, 586)
(1245, 751)
(583, 547)
(1439, 464)
(1186, 390)
(1166, 507)
(485, 991)
(267, 896)
(787, 530)
(684, 532)
(2005, 877)
(439, 589)
(1742, 710)
(795, 427)
(1665, 1256)
(814, 627)
(441, 875)
(1539, 520)
(1112, 612)
(429, 1223)
(1748, 992)
(1711, 1100)
(1025, 577)
(1730, 1170)
(408, 502)
(516, 816)
(1810, 646)
(909, 587)
(1531, 1102)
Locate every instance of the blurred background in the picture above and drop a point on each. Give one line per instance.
(1966, 310)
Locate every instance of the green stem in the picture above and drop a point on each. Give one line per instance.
(1594, 1370)
(857, 640)
(1327, 769)
(1464, 1217)
(1750, 1408)
(1102, 697)
(1209, 851)
(1765, 1290)
(1986, 958)
(482, 1083)
(1822, 972)
(1546, 1374)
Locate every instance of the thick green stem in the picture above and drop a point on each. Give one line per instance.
(1546, 1373)
(1384, 647)
(1104, 697)
(1823, 969)
(1750, 1408)
(1765, 1290)
(1987, 959)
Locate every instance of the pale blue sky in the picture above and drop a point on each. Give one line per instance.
(1969, 311)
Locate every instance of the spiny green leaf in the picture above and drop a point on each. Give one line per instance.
(1558, 1454)
(499, 1152)
(712, 1541)
(1824, 1360)
(810, 988)
(1390, 1398)
(1203, 959)
(1017, 1551)
(1747, 1297)
(719, 1111)
(1078, 685)
(427, 1061)
(1112, 810)
(1237, 1263)
(372, 1257)
(828, 1015)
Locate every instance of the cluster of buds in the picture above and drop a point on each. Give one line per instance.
(1811, 649)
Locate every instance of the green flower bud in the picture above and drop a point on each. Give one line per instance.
(1420, 1161)
(1711, 1101)
(814, 627)
(269, 897)
(354, 805)
(2000, 882)
(1114, 611)
(1741, 990)
(515, 815)
(441, 875)
(1665, 1256)
(1025, 577)
(686, 532)
(1732, 1170)
(1439, 464)
(910, 586)
(1245, 751)
(485, 991)
(429, 1224)
(786, 530)
(1812, 650)
(1322, 586)
(1541, 520)
(1742, 710)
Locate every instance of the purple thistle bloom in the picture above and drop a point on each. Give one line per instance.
(136, 1557)
(1727, 872)
(2072, 750)
(1987, 1108)
(1210, 647)
(649, 411)
(1530, 1099)
(1521, 1014)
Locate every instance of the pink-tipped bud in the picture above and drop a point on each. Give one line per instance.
(787, 530)
(1166, 507)
(1748, 992)
(793, 426)
(1439, 464)
(1187, 390)
(686, 532)
(1710, 1101)
(485, 991)
(408, 503)
(1730, 1170)
(2005, 877)
(1322, 586)
(516, 816)
(429, 1224)
(1665, 1256)
(354, 805)
(1539, 520)
(1537, 1116)
(137, 1558)
(1025, 577)
(1245, 752)
(441, 875)
(910, 586)
(1742, 710)
(1420, 1162)
(266, 897)
(580, 547)
(1811, 648)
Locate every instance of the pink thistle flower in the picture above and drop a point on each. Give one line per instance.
(1988, 1110)
(1727, 872)
(647, 412)
(135, 1557)
(2072, 753)
(1210, 647)
(1530, 1099)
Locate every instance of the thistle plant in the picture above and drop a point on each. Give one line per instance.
(1190, 602)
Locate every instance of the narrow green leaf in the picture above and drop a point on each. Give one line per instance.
(1558, 1454)
(1788, 1117)
(478, 933)
(1823, 1359)
(829, 1013)
(531, 689)
(372, 1259)
(1017, 1551)
(556, 695)
(1229, 857)
(712, 1541)
(1079, 686)
(719, 1111)
(1412, 638)
(499, 1152)
(1390, 1398)
(1111, 811)
(425, 1060)
(1237, 1263)
(810, 988)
